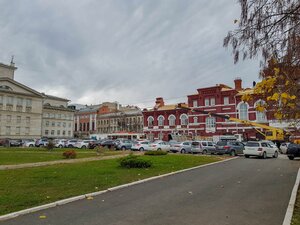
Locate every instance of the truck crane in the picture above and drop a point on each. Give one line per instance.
(274, 134)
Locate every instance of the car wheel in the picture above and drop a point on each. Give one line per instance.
(246, 156)
(60, 146)
(123, 148)
(159, 149)
(264, 155)
(291, 157)
(31, 146)
(141, 149)
(182, 151)
(70, 146)
(232, 153)
(275, 155)
(204, 152)
(83, 147)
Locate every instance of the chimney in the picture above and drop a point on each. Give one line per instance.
(159, 102)
(238, 84)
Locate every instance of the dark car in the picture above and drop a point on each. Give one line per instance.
(108, 143)
(229, 147)
(15, 143)
(293, 151)
(94, 144)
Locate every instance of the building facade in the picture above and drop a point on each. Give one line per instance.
(21, 108)
(164, 120)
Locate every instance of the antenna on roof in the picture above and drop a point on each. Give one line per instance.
(12, 61)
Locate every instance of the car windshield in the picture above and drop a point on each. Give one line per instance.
(252, 144)
(221, 143)
(195, 143)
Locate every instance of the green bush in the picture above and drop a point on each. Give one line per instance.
(69, 154)
(156, 153)
(133, 161)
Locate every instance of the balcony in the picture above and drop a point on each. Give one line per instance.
(19, 108)
(9, 107)
(28, 109)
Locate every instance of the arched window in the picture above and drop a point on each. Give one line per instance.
(161, 120)
(260, 116)
(150, 121)
(243, 111)
(172, 120)
(184, 119)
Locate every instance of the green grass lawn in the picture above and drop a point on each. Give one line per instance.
(296, 214)
(24, 188)
(10, 156)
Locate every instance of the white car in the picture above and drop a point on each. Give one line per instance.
(82, 144)
(140, 145)
(60, 143)
(261, 149)
(283, 147)
(29, 143)
(159, 145)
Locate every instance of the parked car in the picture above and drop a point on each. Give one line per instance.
(108, 143)
(203, 147)
(15, 143)
(229, 147)
(293, 151)
(41, 142)
(124, 144)
(283, 147)
(159, 145)
(60, 143)
(182, 147)
(29, 143)
(93, 144)
(140, 145)
(261, 149)
(71, 143)
(82, 144)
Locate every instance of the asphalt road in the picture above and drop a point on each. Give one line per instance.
(237, 192)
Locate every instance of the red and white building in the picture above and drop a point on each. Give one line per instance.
(163, 120)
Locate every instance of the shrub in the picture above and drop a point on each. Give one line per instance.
(50, 145)
(69, 154)
(132, 161)
(155, 153)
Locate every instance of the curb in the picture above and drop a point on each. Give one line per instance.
(290, 209)
(80, 197)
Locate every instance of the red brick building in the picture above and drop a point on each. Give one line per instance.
(163, 119)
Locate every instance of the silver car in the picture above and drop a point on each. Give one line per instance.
(203, 147)
(182, 147)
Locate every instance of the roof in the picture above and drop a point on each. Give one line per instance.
(55, 97)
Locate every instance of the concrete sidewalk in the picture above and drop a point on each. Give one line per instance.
(63, 161)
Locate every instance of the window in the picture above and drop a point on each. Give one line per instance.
(226, 100)
(8, 118)
(53, 124)
(212, 101)
(18, 119)
(28, 102)
(172, 119)
(27, 120)
(69, 133)
(64, 124)
(58, 124)
(20, 101)
(27, 130)
(260, 116)
(70, 125)
(195, 103)
(10, 100)
(52, 132)
(195, 119)
(1, 99)
(150, 121)
(47, 123)
(264, 144)
(46, 132)
(206, 103)
(210, 122)
(184, 119)
(59, 116)
(58, 132)
(18, 130)
(64, 132)
(160, 120)
(243, 111)
(8, 130)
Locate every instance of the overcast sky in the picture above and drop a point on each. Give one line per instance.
(130, 51)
